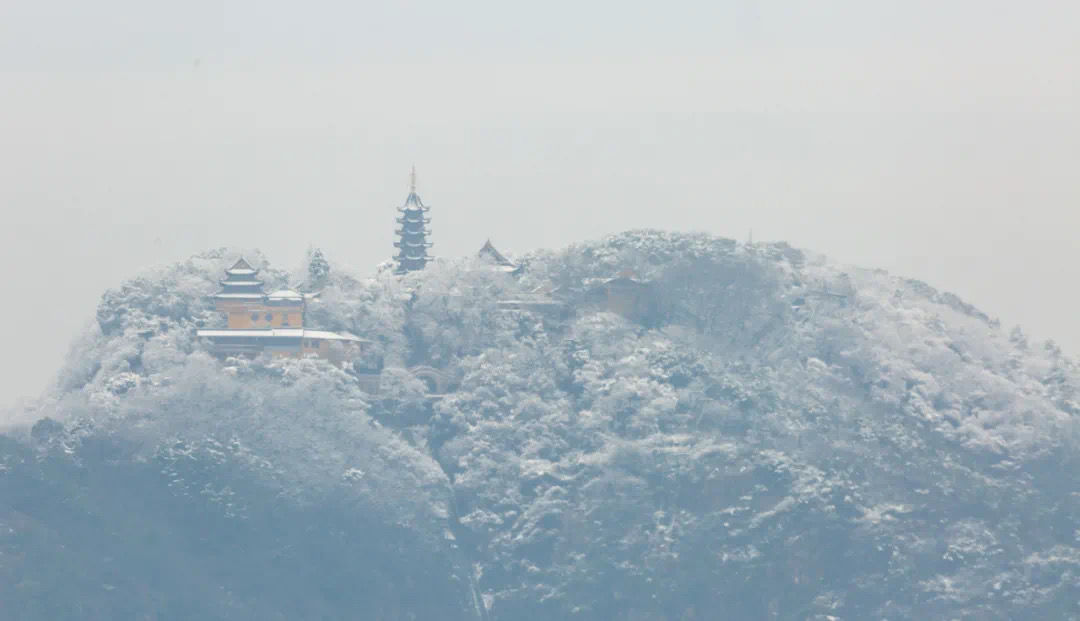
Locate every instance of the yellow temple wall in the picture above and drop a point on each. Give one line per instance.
(240, 315)
(240, 319)
(296, 319)
(236, 306)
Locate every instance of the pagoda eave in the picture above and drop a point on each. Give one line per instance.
(240, 283)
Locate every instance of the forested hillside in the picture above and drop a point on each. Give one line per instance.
(777, 437)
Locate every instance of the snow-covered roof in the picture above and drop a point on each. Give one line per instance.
(333, 336)
(618, 280)
(626, 280)
(286, 294)
(529, 302)
(488, 251)
(240, 283)
(241, 267)
(282, 333)
(239, 296)
(268, 333)
(413, 202)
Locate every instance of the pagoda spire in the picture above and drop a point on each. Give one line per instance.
(413, 233)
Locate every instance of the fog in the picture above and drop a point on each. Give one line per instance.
(937, 142)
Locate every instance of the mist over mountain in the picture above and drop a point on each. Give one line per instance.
(763, 435)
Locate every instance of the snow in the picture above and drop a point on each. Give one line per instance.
(241, 283)
(332, 336)
(285, 294)
(883, 512)
(265, 333)
(282, 333)
(889, 443)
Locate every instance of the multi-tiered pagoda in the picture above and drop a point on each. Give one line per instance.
(412, 232)
(241, 287)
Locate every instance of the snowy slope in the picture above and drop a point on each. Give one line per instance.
(780, 438)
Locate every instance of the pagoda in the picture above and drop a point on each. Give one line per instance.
(269, 322)
(412, 243)
(240, 289)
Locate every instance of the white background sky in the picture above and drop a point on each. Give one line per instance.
(938, 140)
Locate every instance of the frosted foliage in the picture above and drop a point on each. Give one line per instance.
(318, 268)
(778, 437)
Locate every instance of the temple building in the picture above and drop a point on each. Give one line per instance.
(412, 243)
(540, 300)
(260, 322)
(495, 260)
(625, 295)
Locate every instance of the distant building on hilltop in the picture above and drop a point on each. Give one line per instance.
(540, 300)
(274, 323)
(495, 260)
(412, 232)
(626, 295)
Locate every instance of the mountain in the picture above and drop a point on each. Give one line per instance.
(761, 434)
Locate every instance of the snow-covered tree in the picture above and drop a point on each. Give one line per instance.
(789, 439)
(318, 269)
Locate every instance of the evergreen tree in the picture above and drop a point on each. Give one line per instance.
(318, 268)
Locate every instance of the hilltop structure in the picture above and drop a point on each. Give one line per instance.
(495, 260)
(412, 232)
(540, 300)
(274, 323)
(625, 295)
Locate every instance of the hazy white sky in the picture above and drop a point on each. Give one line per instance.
(939, 140)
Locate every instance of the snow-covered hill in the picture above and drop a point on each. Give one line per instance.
(779, 437)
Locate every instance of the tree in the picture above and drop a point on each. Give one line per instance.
(318, 269)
